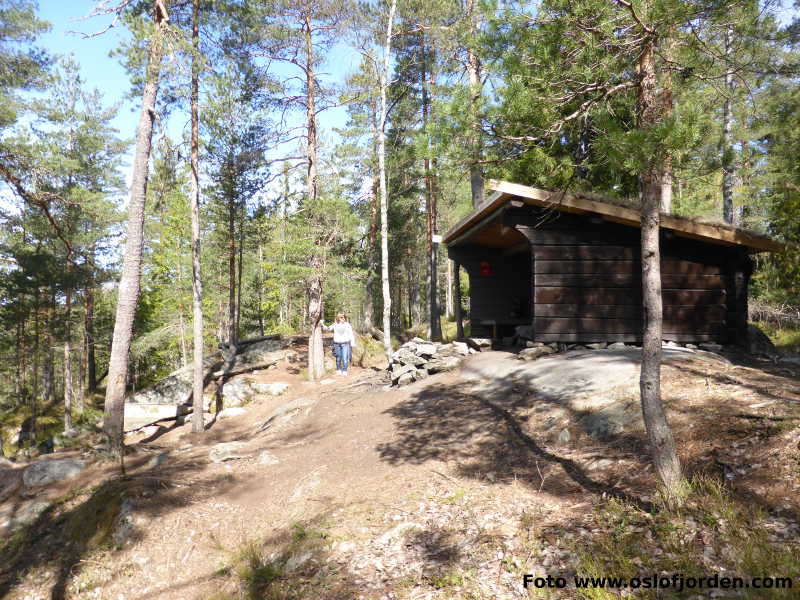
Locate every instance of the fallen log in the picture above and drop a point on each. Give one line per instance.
(228, 371)
(469, 342)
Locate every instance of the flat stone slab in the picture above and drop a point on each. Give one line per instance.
(580, 379)
(46, 472)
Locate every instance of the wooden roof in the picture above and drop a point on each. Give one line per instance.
(487, 214)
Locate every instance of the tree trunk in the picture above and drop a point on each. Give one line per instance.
(415, 314)
(197, 282)
(434, 325)
(727, 125)
(182, 335)
(475, 85)
(129, 285)
(662, 444)
(88, 331)
(239, 269)
(49, 360)
(316, 356)
(369, 312)
(384, 84)
(231, 269)
(68, 391)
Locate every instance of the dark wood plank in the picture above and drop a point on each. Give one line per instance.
(586, 296)
(616, 279)
(625, 337)
(693, 298)
(606, 280)
(713, 312)
(595, 267)
(584, 325)
(624, 296)
(585, 252)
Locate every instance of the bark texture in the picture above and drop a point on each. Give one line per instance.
(727, 136)
(434, 325)
(68, 389)
(384, 76)
(316, 356)
(197, 286)
(475, 89)
(662, 444)
(129, 285)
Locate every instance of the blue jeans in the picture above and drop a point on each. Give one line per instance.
(342, 353)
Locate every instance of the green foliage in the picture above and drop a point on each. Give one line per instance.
(712, 528)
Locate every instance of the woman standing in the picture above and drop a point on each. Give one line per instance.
(344, 340)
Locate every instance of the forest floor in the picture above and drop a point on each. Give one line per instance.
(452, 487)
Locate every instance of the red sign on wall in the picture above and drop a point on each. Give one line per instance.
(486, 268)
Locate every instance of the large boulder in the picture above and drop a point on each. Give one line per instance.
(46, 472)
(262, 353)
(237, 392)
(175, 387)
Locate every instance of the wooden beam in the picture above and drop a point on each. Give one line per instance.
(632, 217)
(486, 220)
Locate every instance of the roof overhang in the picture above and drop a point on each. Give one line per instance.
(504, 192)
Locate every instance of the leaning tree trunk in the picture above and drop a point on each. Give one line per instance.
(662, 444)
(316, 356)
(384, 77)
(129, 285)
(197, 287)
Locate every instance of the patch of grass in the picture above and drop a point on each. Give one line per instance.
(785, 338)
(456, 497)
(449, 578)
(284, 572)
(712, 533)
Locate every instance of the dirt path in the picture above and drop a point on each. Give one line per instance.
(458, 483)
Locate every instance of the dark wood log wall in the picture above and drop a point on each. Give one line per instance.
(586, 282)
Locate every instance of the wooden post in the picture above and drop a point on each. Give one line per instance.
(458, 315)
(740, 268)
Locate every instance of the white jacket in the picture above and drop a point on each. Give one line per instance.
(342, 333)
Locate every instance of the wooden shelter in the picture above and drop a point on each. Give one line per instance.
(570, 267)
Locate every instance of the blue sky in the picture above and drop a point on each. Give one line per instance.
(103, 72)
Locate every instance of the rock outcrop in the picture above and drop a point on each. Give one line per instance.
(419, 358)
(169, 397)
(49, 471)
